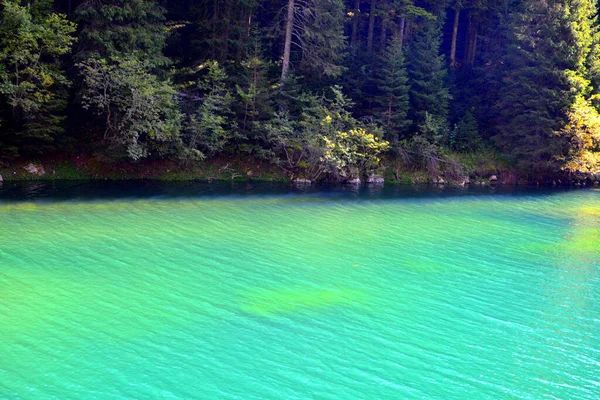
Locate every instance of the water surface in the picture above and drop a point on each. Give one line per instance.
(152, 290)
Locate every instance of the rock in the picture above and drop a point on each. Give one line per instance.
(35, 169)
(464, 181)
(378, 180)
(441, 181)
(1, 179)
(493, 179)
(595, 184)
(355, 181)
(301, 181)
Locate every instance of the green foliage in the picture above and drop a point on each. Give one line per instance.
(32, 79)
(583, 132)
(434, 129)
(427, 72)
(326, 140)
(211, 126)
(466, 134)
(321, 37)
(534, 88)
(117, 28)
(352, 153)
(255, 93)
(140, 112)
(393, 85)
(422, 154)
(547, 83)
(525, 74)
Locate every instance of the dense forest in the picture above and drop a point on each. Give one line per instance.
(323, 89)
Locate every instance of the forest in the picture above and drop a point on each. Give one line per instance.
(321, 89)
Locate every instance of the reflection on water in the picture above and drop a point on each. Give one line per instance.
(90, 190)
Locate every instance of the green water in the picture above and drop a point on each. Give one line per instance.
(300, 295)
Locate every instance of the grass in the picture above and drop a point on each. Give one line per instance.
(93, 169)
(479, 166)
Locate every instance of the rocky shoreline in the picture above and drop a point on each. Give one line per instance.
(252, 170)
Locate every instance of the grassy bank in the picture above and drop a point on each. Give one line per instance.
(89, 168)
(452, 169)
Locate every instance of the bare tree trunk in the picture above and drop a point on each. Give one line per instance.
(401, 33)
(471, 41)
(355, 23)
(390, 112)
(287, 47)
(454, 36)
(383, 37)
(224, 53)
(371, 26)
(471, 59)
(215, 22)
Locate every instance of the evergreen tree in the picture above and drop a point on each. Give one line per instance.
(393, 87)
(123, 71)
(316, 28)
(115, 28)
(32, 79)
(211, 126)
(427, 76)
(582, 128)
(466, 135)
(546, 84)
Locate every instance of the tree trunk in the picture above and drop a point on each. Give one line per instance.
(371, 26)
(355, 23)
(287, 46)
(383, 37)
(471, 41)
(454, 36)
(401, 33)
(471, 59)
(224, 53)
(215, 26)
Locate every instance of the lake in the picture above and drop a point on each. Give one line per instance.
(148, 290)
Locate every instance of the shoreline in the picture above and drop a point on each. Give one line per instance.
(250, 170)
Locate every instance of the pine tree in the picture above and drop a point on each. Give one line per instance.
(582, 128)
(393, 87)
(466, 134)
(547, 81)
(316, 28)
(427, 75)
(115, 28)
(124, 76)
(32, 78)
(210, 127)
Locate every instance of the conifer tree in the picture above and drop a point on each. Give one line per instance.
(210, 127)
(582, 128)
(466, 135)
(32, 78)
(547, 82)
(393, 86)
(124, 77)
(113, 28)
(427, 75)
(316, 29)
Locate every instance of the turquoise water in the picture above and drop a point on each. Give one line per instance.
(185, 293)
